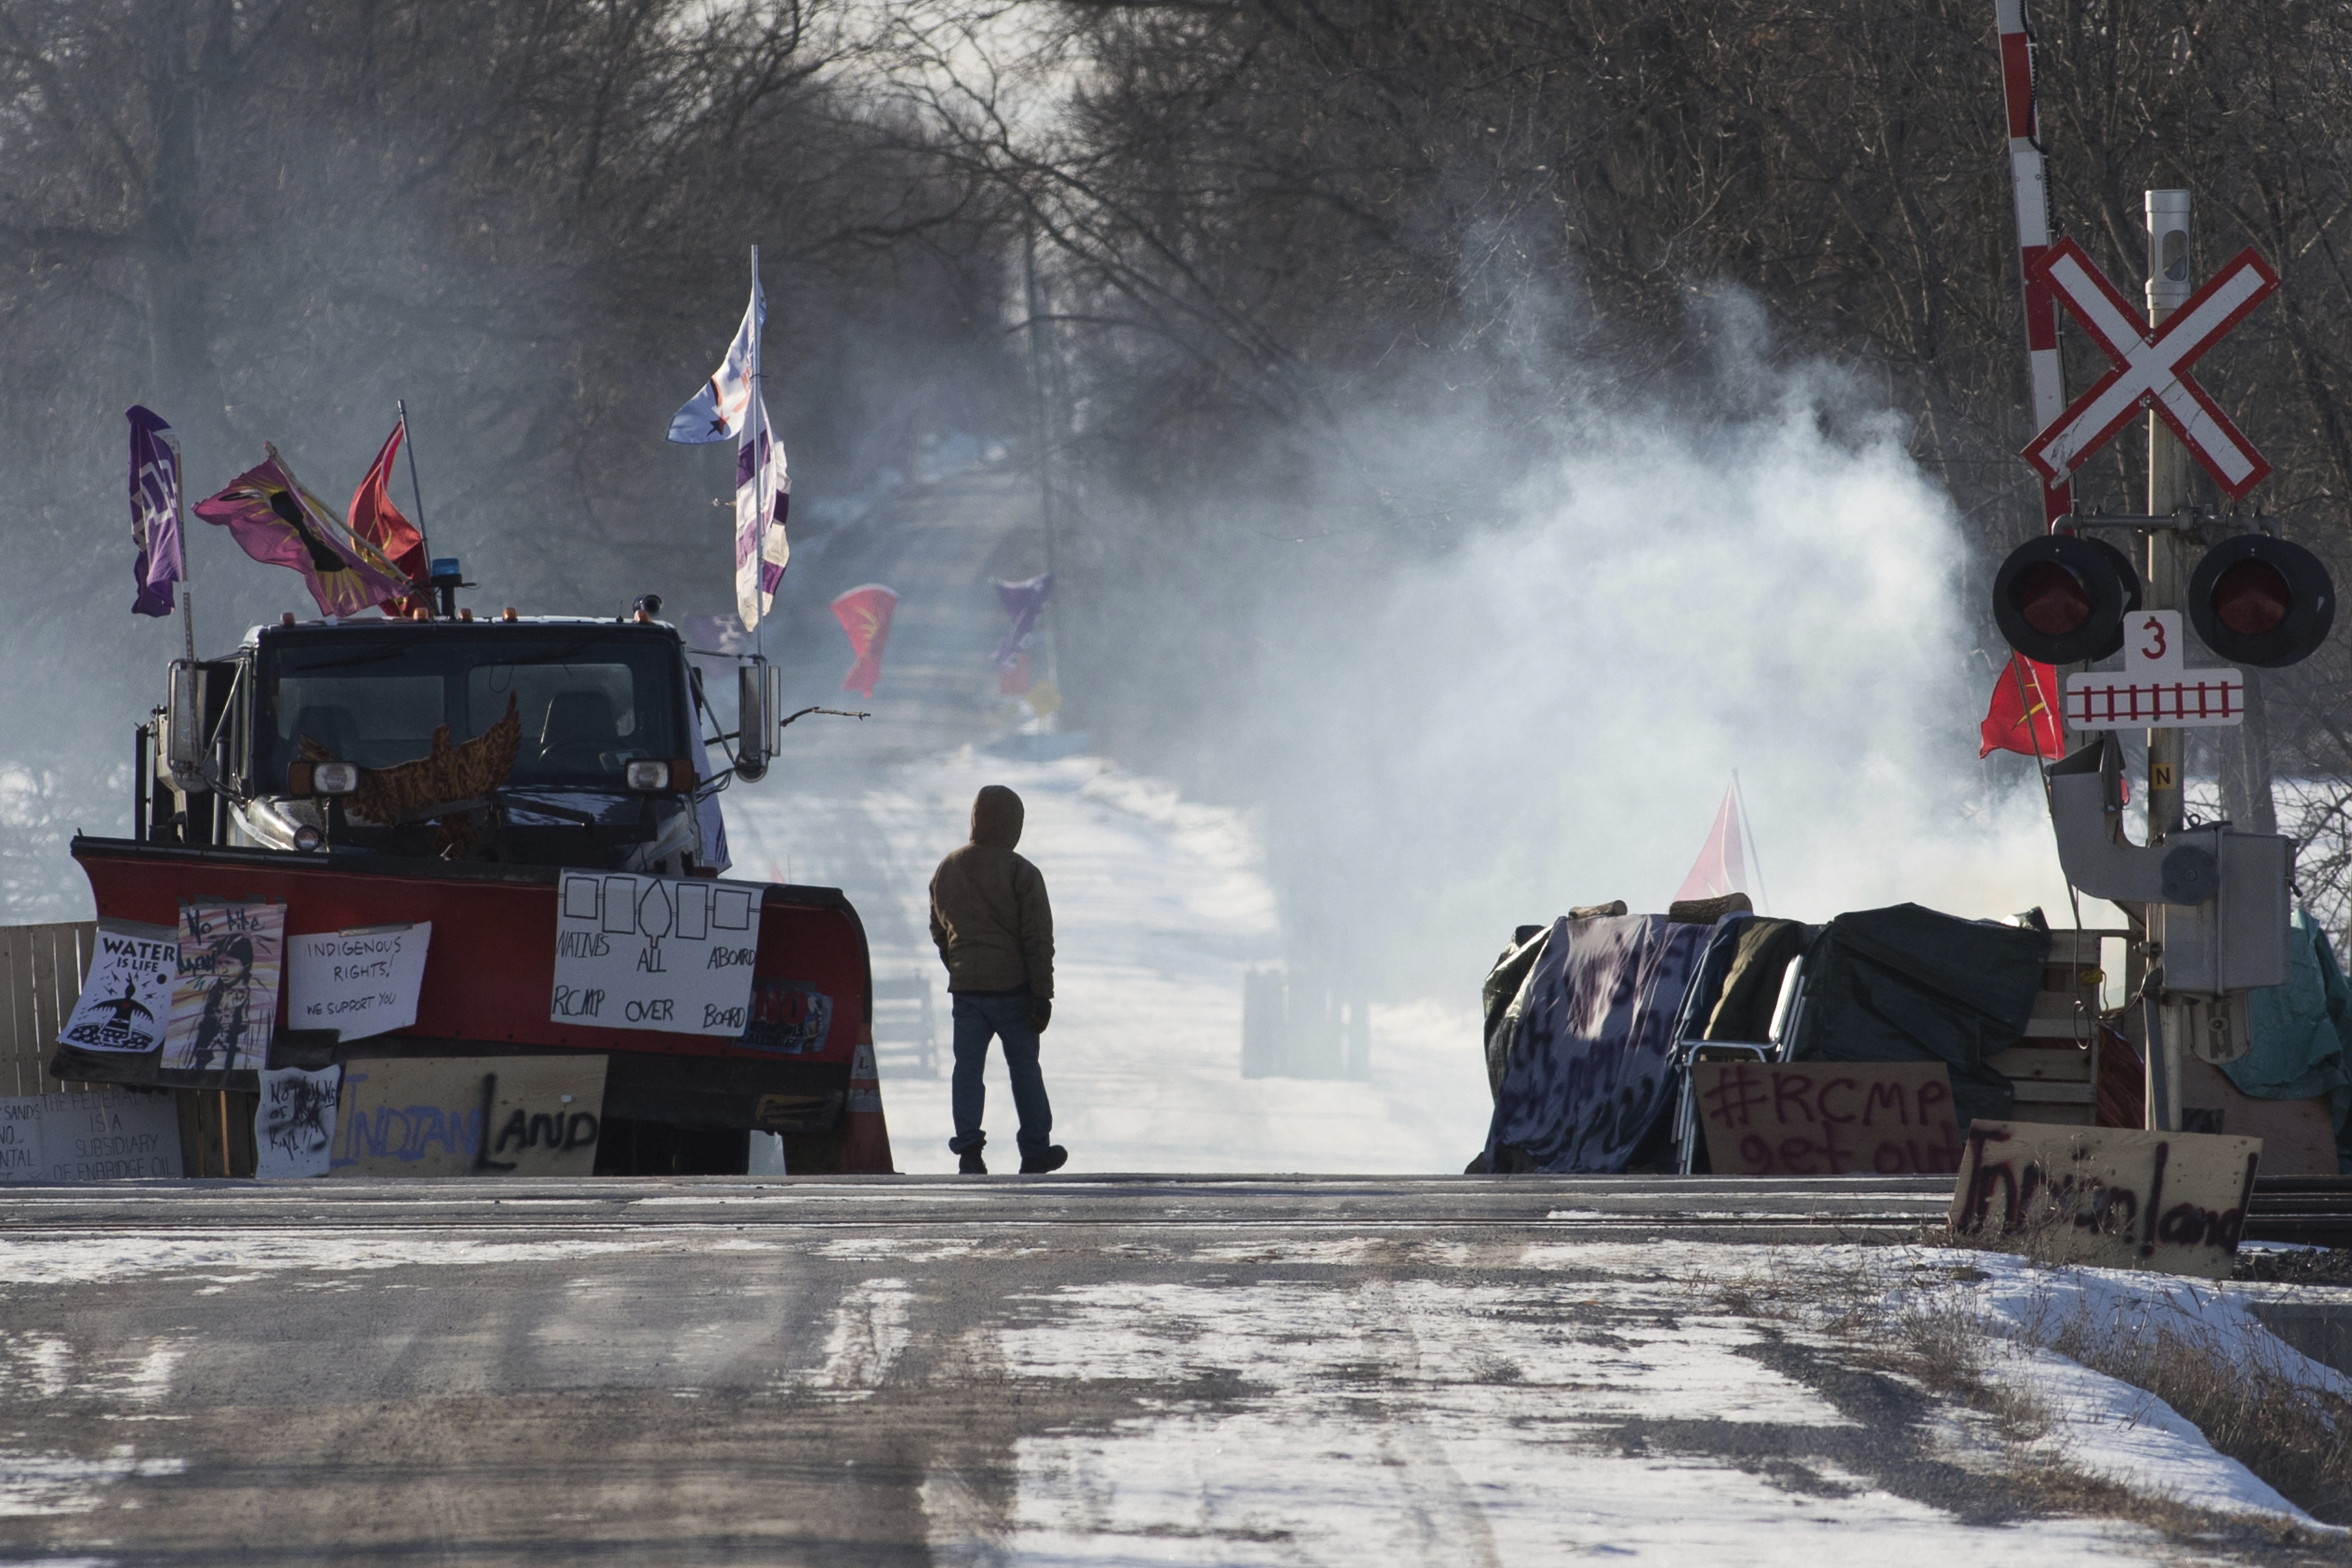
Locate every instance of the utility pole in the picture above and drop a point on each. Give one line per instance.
(2168, 489)
(1046, 404)
(2167, 498)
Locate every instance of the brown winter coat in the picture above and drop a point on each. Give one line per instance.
(989, 919)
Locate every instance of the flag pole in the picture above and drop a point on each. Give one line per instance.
(408, 445)
(752, 421)
(1748, 831)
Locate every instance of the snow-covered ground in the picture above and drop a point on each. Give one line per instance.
(1159, 908)
(1393, 1397)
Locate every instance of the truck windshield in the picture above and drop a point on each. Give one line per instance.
(590, 702)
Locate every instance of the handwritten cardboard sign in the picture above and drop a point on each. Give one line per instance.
(673, 954)
(470, 1116)
(113, 1134)
(356, 983)
(294, 1124)
(2108, 1197)
(1826, 1118)
(127, 999)
(224, 999)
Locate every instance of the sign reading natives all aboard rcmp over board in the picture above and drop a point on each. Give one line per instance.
(1826, 1118)
(672, 954)
(356, 983)
(2108, 1197)
(127, 999)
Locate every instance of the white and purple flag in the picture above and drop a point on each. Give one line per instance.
(1023, 601)
(763, 495)
(730, 404)
(154, 510)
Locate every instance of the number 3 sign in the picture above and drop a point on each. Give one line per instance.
(2153, 690)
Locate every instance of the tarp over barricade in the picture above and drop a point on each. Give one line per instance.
(1590, 1069)
(1909, 984)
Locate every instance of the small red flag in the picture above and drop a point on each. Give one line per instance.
(377, 521)
(2024, 687)
(865, 613)
(1721, 868)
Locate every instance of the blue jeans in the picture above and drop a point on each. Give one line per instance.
(1007, 1019)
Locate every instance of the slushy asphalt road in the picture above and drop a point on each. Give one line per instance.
(947, 1370)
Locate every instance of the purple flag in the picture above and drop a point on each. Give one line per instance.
(1023, 601)
(154, 510)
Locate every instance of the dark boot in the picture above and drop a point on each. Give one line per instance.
(971, 1164)
(1052, 1159)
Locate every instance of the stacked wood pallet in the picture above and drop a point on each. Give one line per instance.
(2055, 1064)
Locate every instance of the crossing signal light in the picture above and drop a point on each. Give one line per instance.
(2061, 598)
(2261, 601)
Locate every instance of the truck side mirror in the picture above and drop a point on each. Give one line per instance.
(183, 725)
(758, 702)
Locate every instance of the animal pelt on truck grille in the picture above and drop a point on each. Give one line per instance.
(446, 775)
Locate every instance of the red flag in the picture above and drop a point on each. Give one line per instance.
(377, 521)
(2023, 683)
(865, 613)
(1721, 869)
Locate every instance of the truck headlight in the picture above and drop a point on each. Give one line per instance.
(648, 777)
(335, 778)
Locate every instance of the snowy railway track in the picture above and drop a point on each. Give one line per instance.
(2313, 1211)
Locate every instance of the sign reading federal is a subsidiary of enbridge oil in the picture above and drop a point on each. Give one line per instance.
(2107, 1196)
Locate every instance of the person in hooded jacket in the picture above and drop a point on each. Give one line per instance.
(994, 930)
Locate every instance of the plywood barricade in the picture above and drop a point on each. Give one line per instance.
(2108, 1197)
(1827, 1119)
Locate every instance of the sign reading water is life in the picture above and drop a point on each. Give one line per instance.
(672, 954)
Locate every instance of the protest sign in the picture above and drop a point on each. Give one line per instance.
(357, 982)
(294, 1125)
(111, 1134)
(1826, 1118)
(470, 1116)
(127, 998)
(673, 954)
(224, 1000)
(2107, 1196)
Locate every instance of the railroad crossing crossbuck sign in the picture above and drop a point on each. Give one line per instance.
(2151, 368)
(2153, 689)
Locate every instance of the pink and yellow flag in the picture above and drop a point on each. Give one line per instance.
(278, 522)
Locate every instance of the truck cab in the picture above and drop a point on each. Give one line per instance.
(606, 768)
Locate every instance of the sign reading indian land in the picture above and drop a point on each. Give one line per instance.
(2108, 1197)
(673, 954)
(1827, 1119)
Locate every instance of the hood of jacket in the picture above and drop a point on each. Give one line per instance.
(996, 818)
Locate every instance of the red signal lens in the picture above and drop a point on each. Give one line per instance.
(2252, 597)
(2051, 599)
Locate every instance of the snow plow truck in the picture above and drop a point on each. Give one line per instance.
(501, 778)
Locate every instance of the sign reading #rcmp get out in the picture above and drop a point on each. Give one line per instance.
(672, 954)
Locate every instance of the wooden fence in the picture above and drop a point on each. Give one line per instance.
(41, 971)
